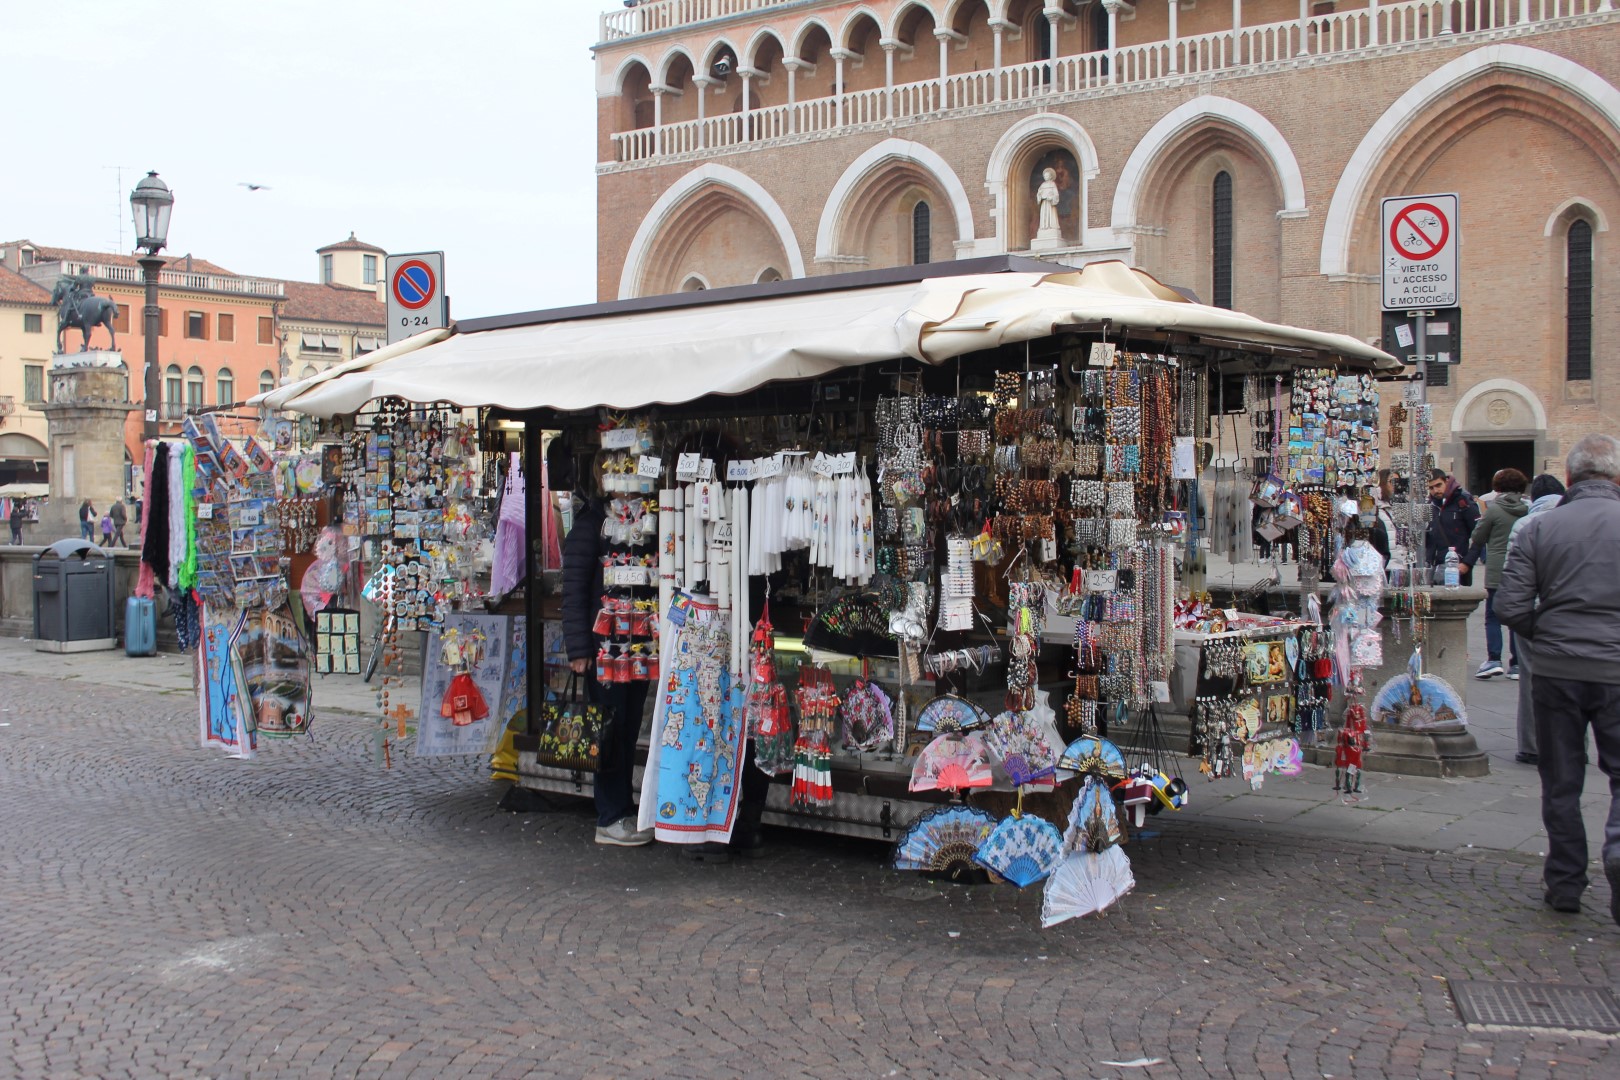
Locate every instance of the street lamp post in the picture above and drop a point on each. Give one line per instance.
(151, 203)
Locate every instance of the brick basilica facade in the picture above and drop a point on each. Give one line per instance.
(1237, 150)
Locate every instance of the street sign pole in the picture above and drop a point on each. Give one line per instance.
(1421, 340)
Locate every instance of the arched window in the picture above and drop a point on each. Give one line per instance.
(1578, 300)
(173, 386)
(267, 381)
(921, 229)
(1221, 241)
(309, 370)
(225, 387)
(768, 275)
(194, 387)
(693, 284)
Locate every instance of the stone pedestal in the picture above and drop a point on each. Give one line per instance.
(89, 400)
(1413, 753)
(1445, 653)
(1046, 240)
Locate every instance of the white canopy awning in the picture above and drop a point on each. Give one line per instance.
(679, 354)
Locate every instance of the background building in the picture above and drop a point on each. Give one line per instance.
(223, 337)
(1236, 149)
(341, 316)
(27, 329)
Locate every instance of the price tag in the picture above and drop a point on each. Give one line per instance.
(686, 467)
(706, 469)
(822, 465)
(1100, 581)
(649, 466)
(844, 464)
(619, 438)
(1161, 691)
(625, 575)
(1102, 355)
(739, 470)
(768, 466)
(722, 534)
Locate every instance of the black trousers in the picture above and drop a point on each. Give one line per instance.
(617, 760)
(1564, 709)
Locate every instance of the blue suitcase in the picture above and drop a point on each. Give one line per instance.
(140, 627)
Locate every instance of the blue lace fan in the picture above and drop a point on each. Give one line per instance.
(950, 713)
(944, 839)
(1022, 849)
(1090, 754)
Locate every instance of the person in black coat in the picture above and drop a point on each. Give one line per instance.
(1452, 525)
(582, 553)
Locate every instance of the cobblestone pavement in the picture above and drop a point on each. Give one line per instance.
(168, 911)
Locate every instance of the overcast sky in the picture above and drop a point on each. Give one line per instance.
(466, 126)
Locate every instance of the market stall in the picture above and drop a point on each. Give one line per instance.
(925, 551)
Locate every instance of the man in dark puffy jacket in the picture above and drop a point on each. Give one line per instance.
(1560, 593)
(1455, 514)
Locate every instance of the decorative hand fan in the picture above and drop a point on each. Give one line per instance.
(1022, 849)
(950, 713)
(1019, 741)
(944, 839)
(1090, 754)
(1093, 820)
(1086, 884)
(952, 763)
(868, 716)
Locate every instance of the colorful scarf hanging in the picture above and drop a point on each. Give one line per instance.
(155, 516)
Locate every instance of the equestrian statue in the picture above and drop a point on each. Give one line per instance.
(79, 306)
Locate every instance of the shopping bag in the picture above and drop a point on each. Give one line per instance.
(571, 732)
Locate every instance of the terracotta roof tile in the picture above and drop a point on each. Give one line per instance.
(351, 244)
(333, 303)
(175, 262)
(16, 289)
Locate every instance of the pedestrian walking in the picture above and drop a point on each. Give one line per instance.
(1488, 544)
(87, 520)
(120, 518)
(1546, 491)
(1560, 592)
(106, 530)
(16, 519)
(1452, 524)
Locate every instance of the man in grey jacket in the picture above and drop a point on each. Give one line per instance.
(1561, 593)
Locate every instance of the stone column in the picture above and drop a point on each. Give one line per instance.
(89, 400)
(1175, 63)
(839, 56)
(998, 29)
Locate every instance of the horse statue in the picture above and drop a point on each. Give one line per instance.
(79, 306)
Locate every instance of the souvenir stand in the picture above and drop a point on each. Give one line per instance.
(904, 543)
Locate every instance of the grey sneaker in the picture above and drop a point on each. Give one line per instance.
(1490, 669)
(622, 833)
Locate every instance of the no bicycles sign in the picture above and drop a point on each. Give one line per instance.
(1419, 256)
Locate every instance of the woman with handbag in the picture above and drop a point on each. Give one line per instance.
(624, 702)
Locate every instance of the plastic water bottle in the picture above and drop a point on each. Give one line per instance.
(1453, 569)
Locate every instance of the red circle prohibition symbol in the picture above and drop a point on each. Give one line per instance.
(414, 284)
(1432, 246)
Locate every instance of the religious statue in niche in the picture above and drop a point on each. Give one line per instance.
(1054, 200)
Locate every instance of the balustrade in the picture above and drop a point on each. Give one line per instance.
(1336, 33)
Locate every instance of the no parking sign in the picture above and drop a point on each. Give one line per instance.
(416, 300)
